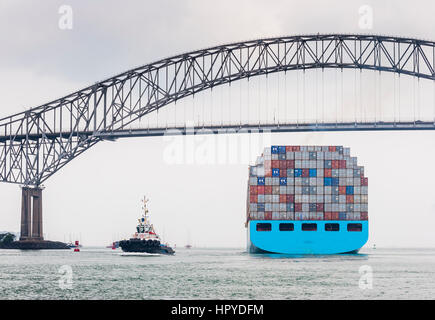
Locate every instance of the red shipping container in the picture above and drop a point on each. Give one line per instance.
(319, 207)
(282, 198)
(268, 172)
(331, 148)
(334, 215)
(267, 164)
(290, 164)
(305, 173)
(342, 164)
(364, 216)
(328, 173)
(275, 164)
(298, 207)
(267, 189)
(283, 173)
(335, 164)
(349, 198)
(342, 190)
(290, 198)
(282, 164)
(260, 189)
(252, 189)
(253, 198)
(268, 215)
(366, 182)
(296, 148)
(327, 216)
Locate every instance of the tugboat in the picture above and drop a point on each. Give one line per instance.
(145, 239)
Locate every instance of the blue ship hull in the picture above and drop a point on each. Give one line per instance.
(298, 241)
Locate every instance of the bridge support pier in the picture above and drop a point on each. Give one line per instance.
(31, 214)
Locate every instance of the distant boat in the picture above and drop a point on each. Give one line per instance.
(114, 245)
(188, 246)
(74, 245)
(374, 246)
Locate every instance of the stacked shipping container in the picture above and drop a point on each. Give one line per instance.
(307, 183)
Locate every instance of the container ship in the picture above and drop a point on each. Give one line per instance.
(306, 200)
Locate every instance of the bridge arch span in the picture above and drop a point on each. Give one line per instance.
(38, 142)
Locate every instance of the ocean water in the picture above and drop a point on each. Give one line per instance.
(100, 273)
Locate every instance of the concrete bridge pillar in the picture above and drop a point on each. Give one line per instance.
(31, 214)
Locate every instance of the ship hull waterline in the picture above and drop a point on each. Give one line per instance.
(299, 242)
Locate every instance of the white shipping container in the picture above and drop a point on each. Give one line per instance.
(290, 155)
(275, 198)
(260, 171)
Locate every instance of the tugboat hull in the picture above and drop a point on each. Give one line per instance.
(144, 246)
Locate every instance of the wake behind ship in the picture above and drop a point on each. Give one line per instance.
(307, 200)
(145, 239)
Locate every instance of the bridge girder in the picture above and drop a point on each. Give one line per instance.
(38, 142)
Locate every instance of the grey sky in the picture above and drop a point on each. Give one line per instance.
(97, 195)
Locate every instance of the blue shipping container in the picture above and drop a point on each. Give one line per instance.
(327, 181)
(313, 173)
(274, 149)
(281, 149)
(349, 190)
(282, 181)
(275, 172)
(298, 172)
(260, 181)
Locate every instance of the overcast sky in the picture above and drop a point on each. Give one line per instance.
(97, 196)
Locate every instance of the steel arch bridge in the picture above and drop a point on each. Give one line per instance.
(38, 142)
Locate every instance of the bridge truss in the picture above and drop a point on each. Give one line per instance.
(38, 142)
